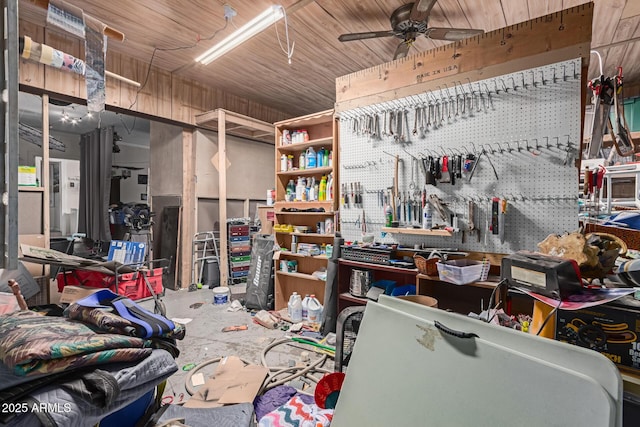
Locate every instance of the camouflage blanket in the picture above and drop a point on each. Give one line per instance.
(34, 344)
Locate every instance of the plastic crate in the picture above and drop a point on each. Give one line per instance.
(243, 258)
(236, 267)
(239, 239)
(237, 274)
(239, 230)
(463, 271)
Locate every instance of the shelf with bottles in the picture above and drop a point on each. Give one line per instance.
(307, 172)
(306, 159)
(326, 141)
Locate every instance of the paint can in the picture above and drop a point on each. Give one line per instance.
(221, 295)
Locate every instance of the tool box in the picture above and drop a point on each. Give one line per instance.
(612, 329)
(130, 285)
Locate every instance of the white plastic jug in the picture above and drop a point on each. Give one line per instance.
(305, 307)
(295, 308)
(314, 310)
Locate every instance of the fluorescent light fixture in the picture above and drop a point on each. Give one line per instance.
(242, 34)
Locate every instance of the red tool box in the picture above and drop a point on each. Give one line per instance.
(130, 285)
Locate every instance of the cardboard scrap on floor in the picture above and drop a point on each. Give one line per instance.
(231, 383)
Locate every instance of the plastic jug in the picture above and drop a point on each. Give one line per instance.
(311, 158)
(294, 308)
(305, 307)
(314, 310)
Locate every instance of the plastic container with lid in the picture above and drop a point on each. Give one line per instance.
(311, 158)
(294, 308)
(305, 307)
(314, 310)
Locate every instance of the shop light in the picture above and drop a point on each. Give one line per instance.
(242, 34)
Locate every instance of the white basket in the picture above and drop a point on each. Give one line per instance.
(463, 271)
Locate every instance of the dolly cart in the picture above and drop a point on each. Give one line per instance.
(205, 248)
(147, 280)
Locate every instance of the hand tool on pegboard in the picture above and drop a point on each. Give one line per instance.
(495, 212)
(623, 142)
(502, 219)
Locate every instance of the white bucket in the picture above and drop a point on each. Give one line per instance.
(221, 295)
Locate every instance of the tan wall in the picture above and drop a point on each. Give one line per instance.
(251, 167)
(165, 159)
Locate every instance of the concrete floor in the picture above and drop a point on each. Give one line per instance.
(205, 340)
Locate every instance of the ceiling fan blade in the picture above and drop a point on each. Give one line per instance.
(402, 50)
(421, 9)
(362, 36)
(452, 34)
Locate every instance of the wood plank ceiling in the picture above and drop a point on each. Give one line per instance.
(258, 69)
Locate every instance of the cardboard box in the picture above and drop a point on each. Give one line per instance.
(35, 240)
(127, 252)
(613, 330)
(231, 383)
(74, 293)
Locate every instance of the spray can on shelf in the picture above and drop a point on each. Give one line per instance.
(283, 163)
(290, 162)
(294, 244)
(427, 217)
(388, 216)
(330, 160)
(311, 190)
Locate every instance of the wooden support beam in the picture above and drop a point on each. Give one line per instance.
(46, 211)
(187, 229)
(552, 38)
(222, 197)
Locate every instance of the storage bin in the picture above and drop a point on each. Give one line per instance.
(463, 271)
(244, 258)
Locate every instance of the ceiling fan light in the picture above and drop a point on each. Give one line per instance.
(258, 24)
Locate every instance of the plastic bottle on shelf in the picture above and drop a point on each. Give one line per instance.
(388, 216)
(311, 190)
(330, 161)
(305, 307)
(329, 189)
(302, 161)
(311, 158)
(295, 308)
(305, 135)
(314, 310)
(290, 162)
(325, 158)
(427, 217)
(320, 158)
(291, 191)
(322, 191)
(283, 163)
(299, 189)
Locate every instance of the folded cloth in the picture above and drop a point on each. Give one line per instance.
(276, 397)
(296, 413)
(106, 319)
(34, 344)
(145, 324)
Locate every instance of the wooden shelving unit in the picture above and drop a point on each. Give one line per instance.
(323, 133)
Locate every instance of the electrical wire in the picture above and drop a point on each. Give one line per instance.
(173, 49)
(546, 319)
(274, 371)
(289, 50)
(491, 299)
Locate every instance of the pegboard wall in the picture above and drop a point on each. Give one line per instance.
(526, 125)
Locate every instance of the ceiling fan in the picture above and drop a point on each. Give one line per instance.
(410, 21)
